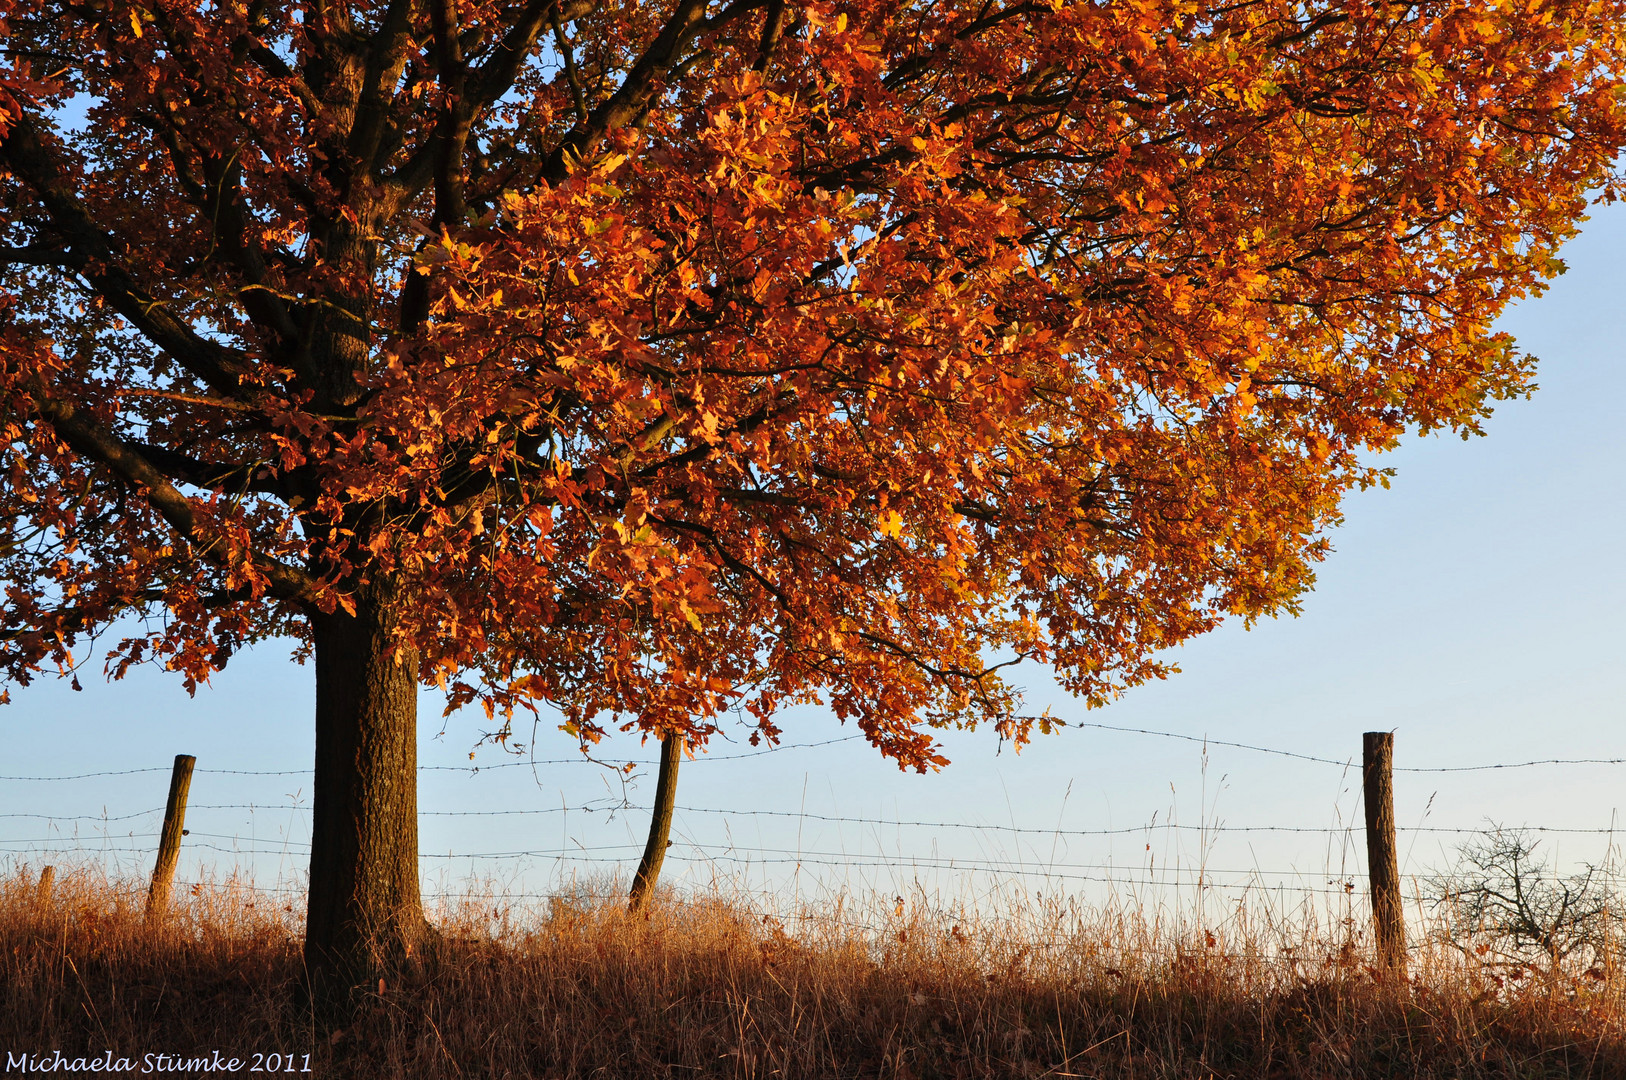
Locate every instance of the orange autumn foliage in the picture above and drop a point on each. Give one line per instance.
(660, 358)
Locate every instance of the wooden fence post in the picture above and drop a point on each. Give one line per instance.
(1382, 860)
(169, 842)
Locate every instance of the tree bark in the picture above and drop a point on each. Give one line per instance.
(660, 822)
(365, 912)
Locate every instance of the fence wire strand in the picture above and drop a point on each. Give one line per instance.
(715, 853)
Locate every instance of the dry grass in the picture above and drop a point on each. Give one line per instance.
(704, 987)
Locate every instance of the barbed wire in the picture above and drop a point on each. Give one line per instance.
(89, 775)
(612, 808)
(527, 763)
(498, 893)
(240, 849)
(1206, 741)
(1511, 765)
(584, 759)
(1345, 762)
(698, 852)
(88, 817)
(1125, 830)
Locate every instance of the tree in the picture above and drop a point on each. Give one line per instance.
(1505, 905)
(619, 355)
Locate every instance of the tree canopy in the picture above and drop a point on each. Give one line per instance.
(651, 358)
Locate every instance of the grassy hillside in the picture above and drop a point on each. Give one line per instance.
(705, 987)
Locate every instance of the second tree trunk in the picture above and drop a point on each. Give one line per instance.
(660, 822)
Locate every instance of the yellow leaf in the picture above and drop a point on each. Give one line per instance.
(135, 22)
(891, 523)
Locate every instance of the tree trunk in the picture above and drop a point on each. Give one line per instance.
(365, 913)
(660, 822)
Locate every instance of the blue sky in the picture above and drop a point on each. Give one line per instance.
(1474, 609)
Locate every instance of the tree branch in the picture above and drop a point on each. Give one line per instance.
(568, 54)
(632, 97)
(91, 440)
(451, 135)
(483, 85)
(91, 253)
(386, 55)
(37, 255)
(221, 476)
(773, 24)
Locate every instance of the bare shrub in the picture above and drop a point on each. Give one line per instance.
(1504, 904)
